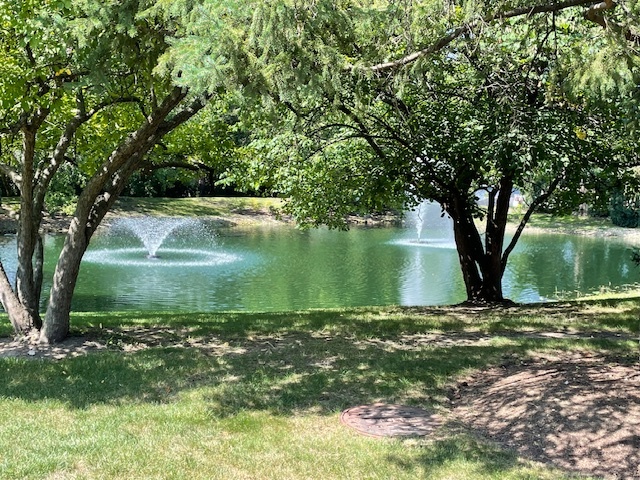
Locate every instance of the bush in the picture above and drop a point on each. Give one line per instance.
(61, 202)
(62, 195)
(624, 212)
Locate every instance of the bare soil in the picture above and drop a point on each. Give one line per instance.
(579, 412)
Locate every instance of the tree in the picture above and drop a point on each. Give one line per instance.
(388, 103)
(79, 87)
(201, 151)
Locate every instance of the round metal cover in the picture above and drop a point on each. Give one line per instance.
(385, 420)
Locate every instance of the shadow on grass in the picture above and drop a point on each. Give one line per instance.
(623, 317)
(297, 373)
(484, 459)
(323, 373)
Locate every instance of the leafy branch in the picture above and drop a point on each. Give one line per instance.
(594, 13)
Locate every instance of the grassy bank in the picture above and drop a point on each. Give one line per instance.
(200, 206)
(258, 395)
(239, 395)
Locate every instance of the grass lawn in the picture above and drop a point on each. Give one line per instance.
(258, 396)
(176, 207)
(198, 206)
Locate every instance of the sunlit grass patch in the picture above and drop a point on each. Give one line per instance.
(196, 206)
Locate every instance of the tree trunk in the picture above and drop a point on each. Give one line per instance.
(492, 268)
(56, 324)
(481, 269)
(94, 202)
(21, 320)
(28, 226)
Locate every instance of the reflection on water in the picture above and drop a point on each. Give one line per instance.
(282, 268)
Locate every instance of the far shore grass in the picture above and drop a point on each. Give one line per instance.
(248, 206)
(238, 395)
(197, 206)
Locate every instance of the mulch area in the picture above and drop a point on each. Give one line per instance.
(579, 411)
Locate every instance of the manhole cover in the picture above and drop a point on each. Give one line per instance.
(384, 420)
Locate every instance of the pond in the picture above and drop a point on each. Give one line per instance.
(202, 268)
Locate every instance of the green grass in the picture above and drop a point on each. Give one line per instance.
(564, 223)
(241, 395)
(177, 207)
(200, 206)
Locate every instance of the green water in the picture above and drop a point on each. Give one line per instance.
(281, 268)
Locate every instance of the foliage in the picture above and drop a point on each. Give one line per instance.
(334, 103)
(82, 106)
(62, 195)
(193, 158)
(624, 212)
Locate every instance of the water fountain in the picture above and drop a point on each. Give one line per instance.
(152, 234)
(202, 267)
(152, 231)
(432, 227)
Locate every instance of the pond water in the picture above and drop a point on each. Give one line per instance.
(281, 268)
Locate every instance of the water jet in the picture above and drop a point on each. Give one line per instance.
(158, 245)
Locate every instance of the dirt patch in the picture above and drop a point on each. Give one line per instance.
(580, 412)
(123, 340)
(73, 346)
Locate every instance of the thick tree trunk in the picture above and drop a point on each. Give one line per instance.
(481, 269)
(468, 260)
(22, 302)
(28, 226)
(56, 324)
(492, 268)
(87, 218)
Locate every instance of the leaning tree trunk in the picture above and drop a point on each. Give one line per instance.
(83, 225)
(56, 325)
(20, 318)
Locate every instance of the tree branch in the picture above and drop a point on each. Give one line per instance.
(525, 219)
(365, 132)
(595, 14)
(445, 40)
(12, 174)
(58, 157)
(179, 164)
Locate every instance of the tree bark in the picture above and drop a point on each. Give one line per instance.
(481, 266)
(83, 226)
(21, 320)
(28, 225)
(56, 326)
(468, 244)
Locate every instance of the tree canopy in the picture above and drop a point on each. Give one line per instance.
(371, 104)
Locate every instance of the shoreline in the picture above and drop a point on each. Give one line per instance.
(266, 215)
